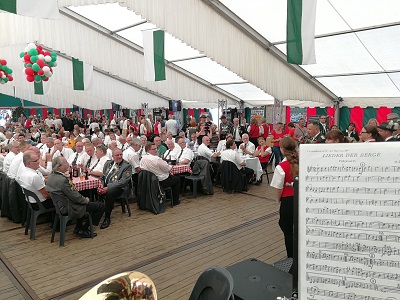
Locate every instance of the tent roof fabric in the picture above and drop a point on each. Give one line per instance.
(230, 50)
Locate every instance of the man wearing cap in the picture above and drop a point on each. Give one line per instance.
(225, 127)
(386, 130)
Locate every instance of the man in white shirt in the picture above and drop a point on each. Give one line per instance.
(89, 160)
(17, 161)
(131, 156)
(32, 180)
(246, 147)
(222, 144)
(186, 155)
(111, 147)
(172, 152)
(204, 151)
(14, 150)
(97, 169)
(230, 154)
(9, 139)
(113, 123)
(151, 162)
(60, 150)
(171, 125)
(2, 135)
(57, 123)
(48, 147)
(49, 121)
(122, 143)
(43, 140)
(76, 158)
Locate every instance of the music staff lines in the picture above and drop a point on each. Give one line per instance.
(360, 169)
(352, 236)
(348, 201)
(352, 190)
(352, 284)
(314, 291)
(365, 261)
(352, 224)
(353, 178)
(385, 250)
(350, 212)
(352, 272)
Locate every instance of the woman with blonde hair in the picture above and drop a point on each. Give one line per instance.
(373, 122)
(284, 174)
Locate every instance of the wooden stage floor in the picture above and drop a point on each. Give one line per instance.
(171, 248)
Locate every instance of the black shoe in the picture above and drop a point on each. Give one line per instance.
(177, 202)
(105, 223)
(86, 234)
(77, 230)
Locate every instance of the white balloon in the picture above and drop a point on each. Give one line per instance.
(26, 49)
(41, 56)
(2, 82)
(55, 64)
(3, 76)
(49, 74)
(23, 59)
(31, 46)
(47, 58)
(46, 69)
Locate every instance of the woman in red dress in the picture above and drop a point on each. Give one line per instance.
(277, 135)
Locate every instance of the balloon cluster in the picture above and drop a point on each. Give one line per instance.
(38, 63)
(5, 72)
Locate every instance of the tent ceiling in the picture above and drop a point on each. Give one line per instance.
(219, 50)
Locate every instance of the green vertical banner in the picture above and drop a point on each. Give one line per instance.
(196, 115)
(369, 113)
(50, 110)
(38, 111)
(396, 110)
(185, 113)
(27, 112)
(322, 111)
(344, 118)
(247, 114)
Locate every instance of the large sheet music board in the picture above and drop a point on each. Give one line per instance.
(349, 221)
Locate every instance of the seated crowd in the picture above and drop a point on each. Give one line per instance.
(43, 153)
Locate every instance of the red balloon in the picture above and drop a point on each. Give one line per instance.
(30, 78)
(46, 53)
(10, 78)
(46, 79)
(40, 63)
(29, 72)
(41, 52)
(39, 48)
(3, 62)
(27, 57)
(40, 72)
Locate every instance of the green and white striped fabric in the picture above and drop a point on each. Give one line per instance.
(154, 64)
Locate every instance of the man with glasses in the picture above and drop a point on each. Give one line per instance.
(323, 127)
(14, 150)
(160, 147)
(32, 180)
(76, 158)
(156, 165)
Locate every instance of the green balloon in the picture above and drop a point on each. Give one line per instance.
(28, 65)
(33, 52)
(52, 53)
(38, 78)
(44, 77)
(35, 67)
(22, 54)
(5, 80)
(51, 64)
(34, 58)
(53, 58)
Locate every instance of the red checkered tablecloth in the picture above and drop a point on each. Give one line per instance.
(180, 169)
(91, 183)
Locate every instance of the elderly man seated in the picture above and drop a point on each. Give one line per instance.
(73, 203)
(33, 180)
(185, 155)
(172, 153)
(116, 181)
(246, 147)
(230, 154)
(151, 162)
(132, 157)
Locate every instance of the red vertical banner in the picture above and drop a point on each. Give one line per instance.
(67, 111)
(311, 111)
(111, 114)
(201, 110)
(357, 117)
(44, 113)
(32, 111)
(381, 114)
(190, 112)
(287, 114)
(56, 111)
(85, 113)
(331, 112)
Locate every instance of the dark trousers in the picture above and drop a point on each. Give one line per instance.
(174, 183)
(48, 203)
(111, 195)
(249, 173)
(96, 210)
(286, 215)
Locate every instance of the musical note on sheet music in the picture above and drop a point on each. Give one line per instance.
(349, 212)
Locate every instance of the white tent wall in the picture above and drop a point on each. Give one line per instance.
(201, 27)
(78, 40)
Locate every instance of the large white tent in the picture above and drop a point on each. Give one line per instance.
(215, 50)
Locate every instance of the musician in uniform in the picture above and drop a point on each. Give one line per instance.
(314, 135)
(73, 203)
(116, 181)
